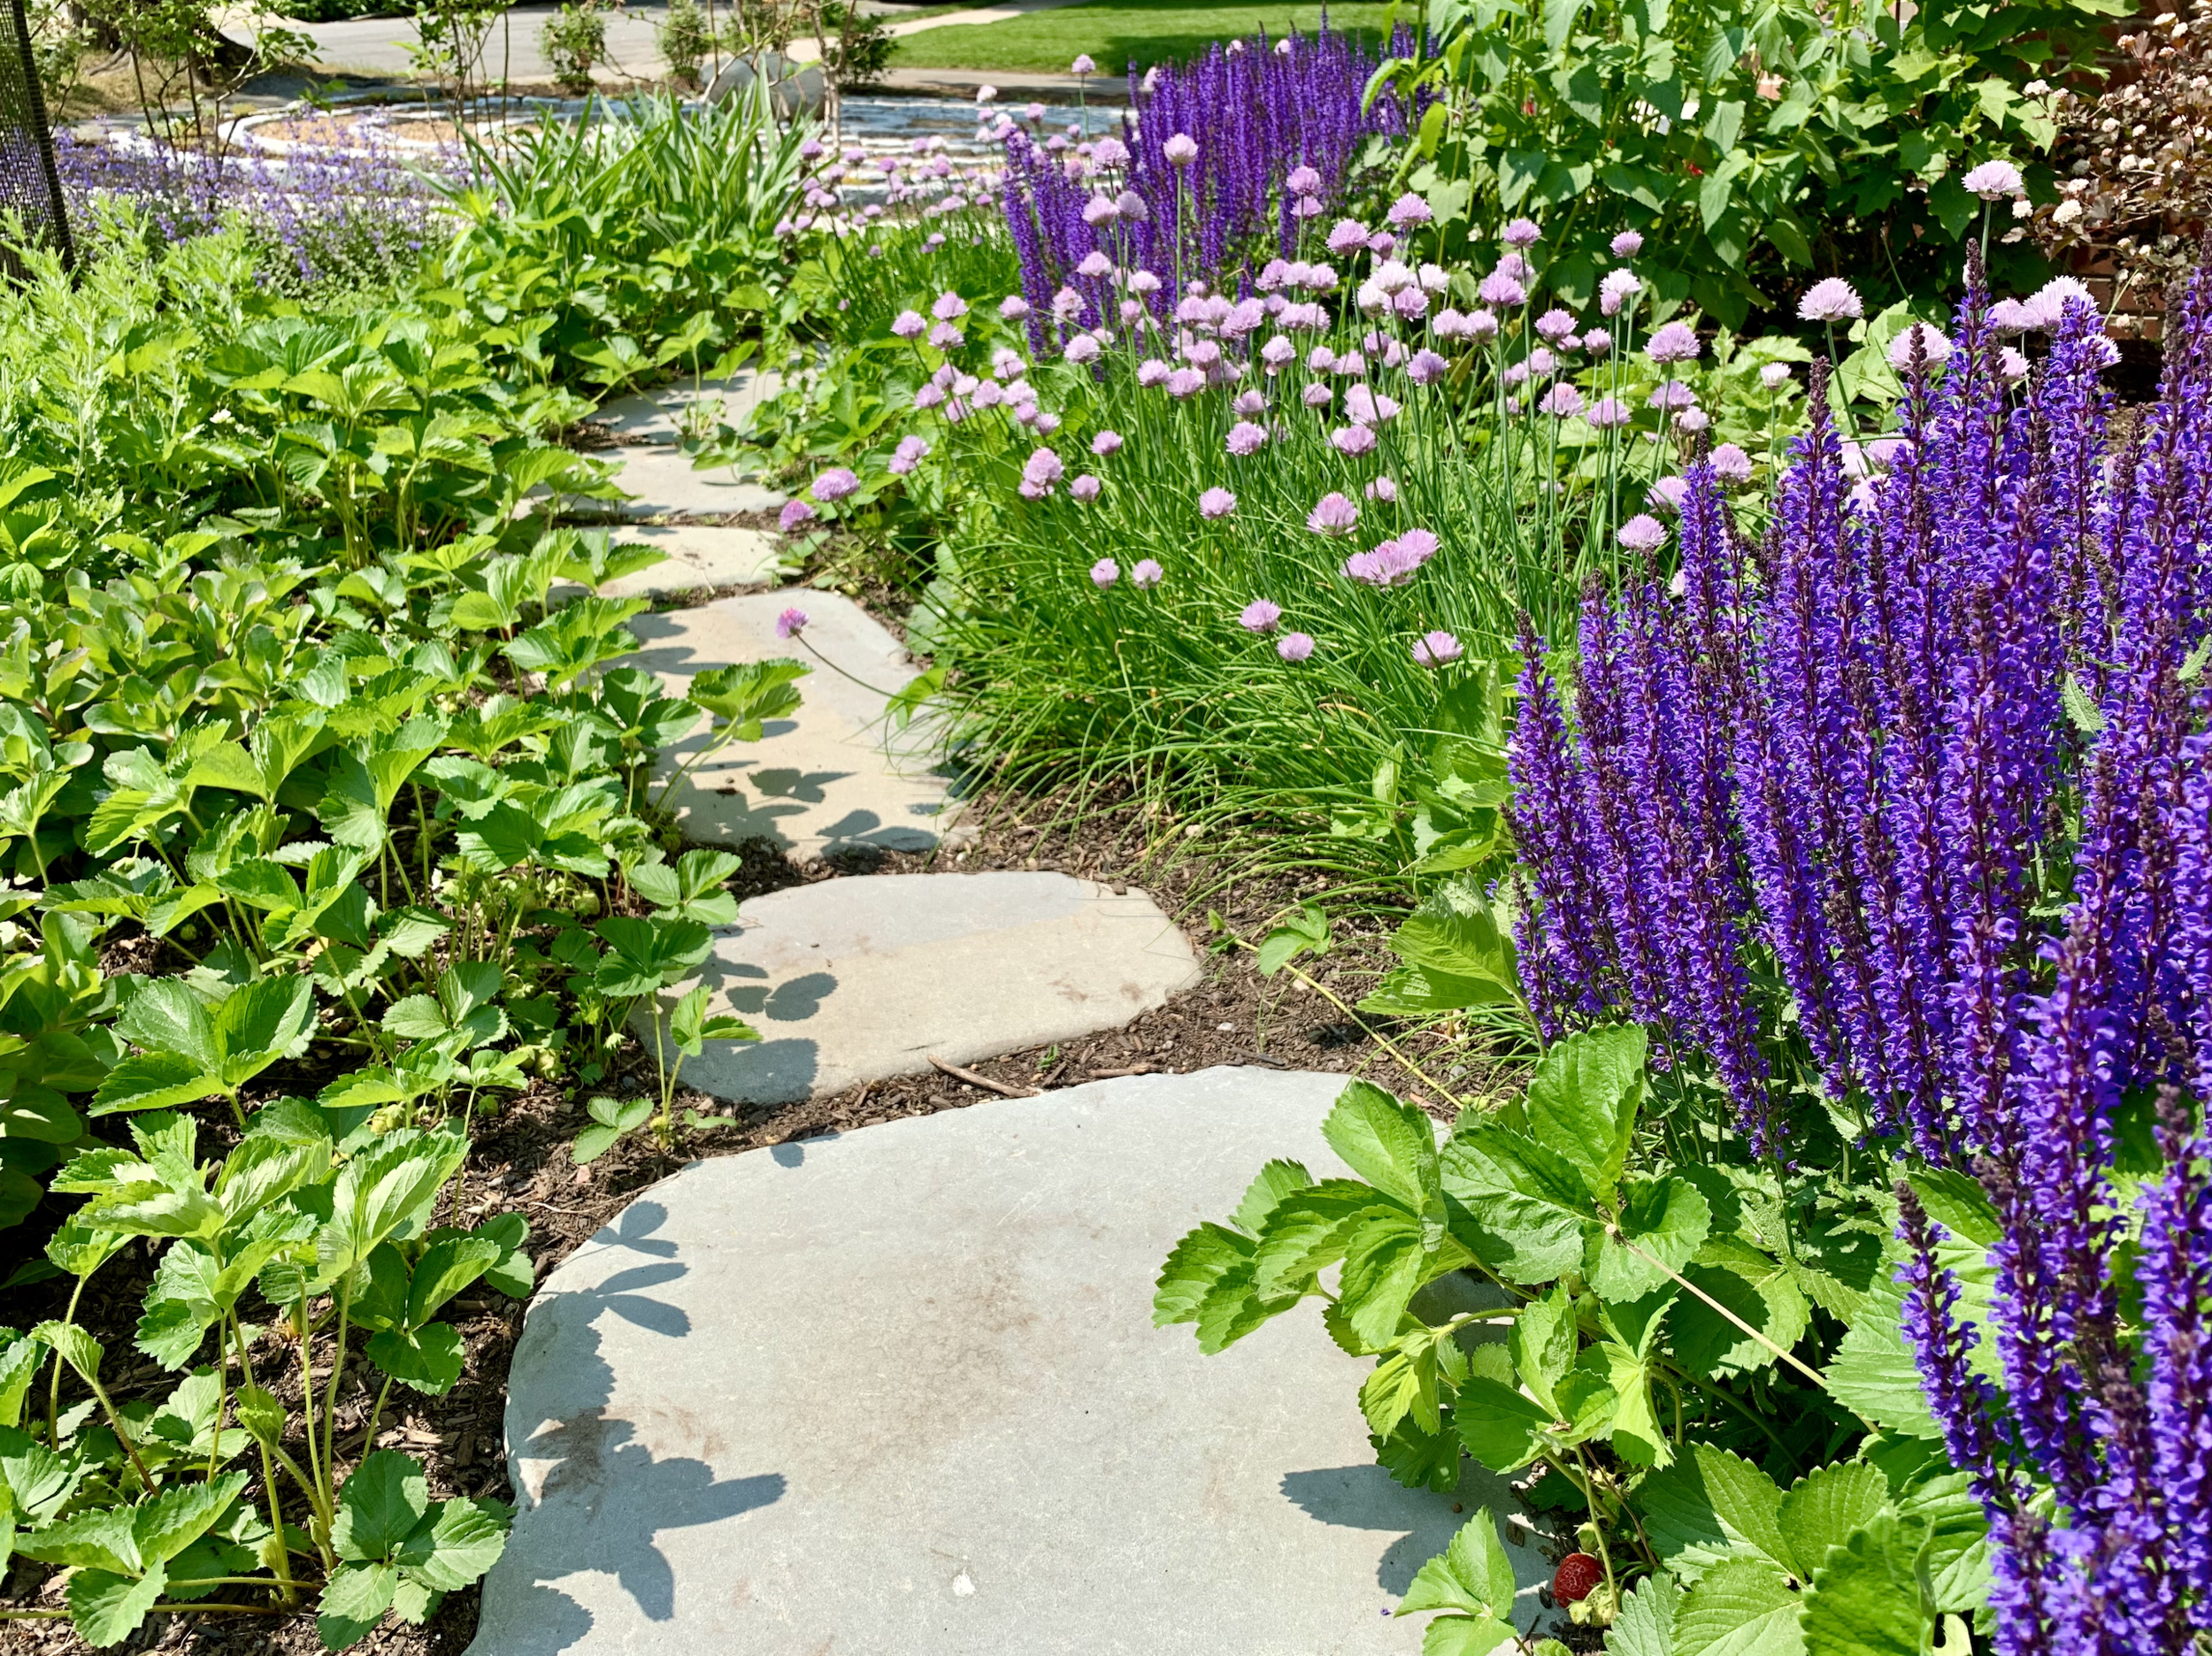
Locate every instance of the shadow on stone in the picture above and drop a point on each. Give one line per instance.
(1368, 1498)
(599, 1486)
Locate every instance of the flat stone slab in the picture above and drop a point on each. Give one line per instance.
(898, 1393)
(655, 417)
(833, 776)
(697, 556)
(852, 980)
(664, 484)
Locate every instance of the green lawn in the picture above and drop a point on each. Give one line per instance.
(1116, 33)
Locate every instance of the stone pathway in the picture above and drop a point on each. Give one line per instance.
(853, 980)
(663, 483)
(835, 776)
(652, 417)
(699, 555)
(898, 1393)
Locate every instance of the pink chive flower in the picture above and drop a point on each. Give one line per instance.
(1082, 348)
(949, 307)
(1303, 180)
(1628, 244)
(907, 455)
(1084, 489)
(1673, 396)
(1409, 210)
(1618, 287)
(1332, 515)
(1668, 493)
(1992, 180)
(908, 324)
(1499, 289)
(1389, 565)
(1105, 443)
(1643, 532)
(1147, 575)
(1013, 308)
(1370, 407)
(835, 484)
(1216, 503)
(1104, 573)
(1382, 489)
(1832, 300)
(1934, 348)
(797, 514)
(1437, 649)
(790, 623)
(1245, 438)
(1180, 150)
(1294, 646)
(1425, 367)
(1597, 341)
(1673, 342)
(1186, 382)
(1082, 66)
(1521, 234)
(1731, 465)
(1260, 615)
(1562, 402)
(1353, 441)
(947, 336)
(1554, 325)
(1040, 472)
(1347, 235)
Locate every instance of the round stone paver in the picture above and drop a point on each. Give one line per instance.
(852, 980)
(835, 774)
(663, 482)
(898, 1393)
(695, 555)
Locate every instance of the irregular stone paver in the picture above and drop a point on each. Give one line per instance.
(834, 775)
(898, 1393)
(653, 417)
(852, 980)
(664, 483)
(698, 555)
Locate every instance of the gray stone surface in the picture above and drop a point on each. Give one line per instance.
(663, 483)
(653, 417)
(898, 1393)
(835, 774)
(698, 555)
(851, 980)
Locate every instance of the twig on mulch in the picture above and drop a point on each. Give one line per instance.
(983, 1081)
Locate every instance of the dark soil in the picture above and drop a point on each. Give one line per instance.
(521, 1162)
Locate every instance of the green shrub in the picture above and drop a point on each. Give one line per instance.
(574, 41)
(1750, 141)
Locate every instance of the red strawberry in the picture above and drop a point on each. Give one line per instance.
(1578, 1576)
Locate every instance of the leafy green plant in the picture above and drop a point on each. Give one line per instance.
(323, 1219)
(1691, 1358)
(1748, 142)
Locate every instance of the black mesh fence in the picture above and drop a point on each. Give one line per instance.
(28, 183)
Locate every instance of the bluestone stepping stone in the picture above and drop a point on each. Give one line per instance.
(852, 980)
(697, 556)
(897, 1392)
(833, 775)
(654, 417)
(664, 484)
